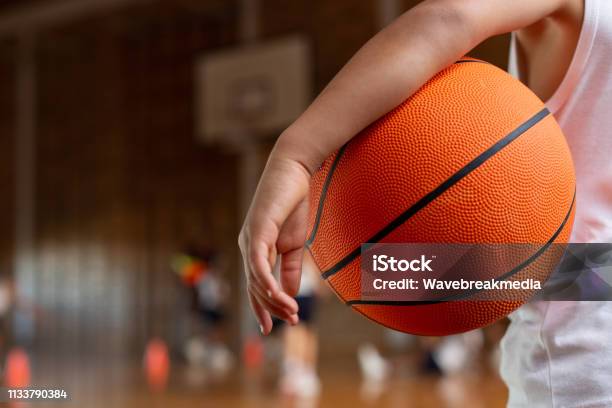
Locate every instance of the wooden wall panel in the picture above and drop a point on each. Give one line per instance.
(7, 149)
(336, 29)
(122, 183)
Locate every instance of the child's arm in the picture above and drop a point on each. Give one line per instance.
(386, 70)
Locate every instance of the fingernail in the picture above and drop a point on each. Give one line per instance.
(269, 293)
(261, 329)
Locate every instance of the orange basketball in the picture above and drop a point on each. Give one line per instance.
(472, 157)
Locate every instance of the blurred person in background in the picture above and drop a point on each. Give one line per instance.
(17, 316)
(207, 348)
(430, 355)
(298, 377)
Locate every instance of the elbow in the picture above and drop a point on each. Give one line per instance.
(452, 22)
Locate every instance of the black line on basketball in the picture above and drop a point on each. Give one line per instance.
(438, 191)
(467, 294)
(328, 179)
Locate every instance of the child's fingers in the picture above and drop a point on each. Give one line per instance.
(285, 301)
(273, 310)
(263, 316)
(261, 272)
(260, 268)
(256, 262)
(278, 303)
(291, 270)
(293, 319)
(279, 299)
(281, 310)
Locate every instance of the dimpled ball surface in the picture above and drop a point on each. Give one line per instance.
(524, 193)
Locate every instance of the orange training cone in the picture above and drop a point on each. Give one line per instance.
(253, 352)
(156, 365)
(17, 369)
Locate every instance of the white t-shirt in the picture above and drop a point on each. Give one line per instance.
(559, 354)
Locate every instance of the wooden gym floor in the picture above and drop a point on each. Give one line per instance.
(120, 384)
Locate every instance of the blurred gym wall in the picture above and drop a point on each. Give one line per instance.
(120, 181)
(7, 139)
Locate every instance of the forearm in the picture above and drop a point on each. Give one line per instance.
(396, 63)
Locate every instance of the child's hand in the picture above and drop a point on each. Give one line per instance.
(276, 226)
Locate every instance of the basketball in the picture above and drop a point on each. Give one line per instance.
(472, 157)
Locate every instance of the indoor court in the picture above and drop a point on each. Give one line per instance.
(132, 136)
